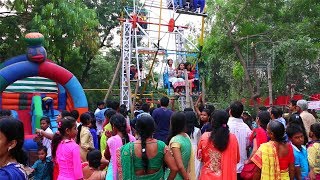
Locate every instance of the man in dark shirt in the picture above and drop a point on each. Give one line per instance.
(162, 117)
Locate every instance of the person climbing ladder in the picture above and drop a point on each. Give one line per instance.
(47, 103)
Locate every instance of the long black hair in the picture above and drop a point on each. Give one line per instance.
(315, 129)
(178, 124)
(278, 130)
(192, 122)
(296, 119)
(119, 121)
(12, 129)
(220, 130)
(66, 123)
(85, 119)
(93, 120)
(264, 118)
(145, 127)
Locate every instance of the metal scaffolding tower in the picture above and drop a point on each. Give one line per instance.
(180, 42)
(141, 42)
(125, 94)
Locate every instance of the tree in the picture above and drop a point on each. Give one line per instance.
(75, 32)
(244, 30)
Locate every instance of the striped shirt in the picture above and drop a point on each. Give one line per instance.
(242, 131)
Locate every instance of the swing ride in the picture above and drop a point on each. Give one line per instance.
(149, 37)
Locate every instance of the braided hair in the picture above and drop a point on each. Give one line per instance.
(119, 121)
(145, 127)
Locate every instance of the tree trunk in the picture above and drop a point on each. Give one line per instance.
(85, 72)
(246, 72)
(113, 80)
(255, 74)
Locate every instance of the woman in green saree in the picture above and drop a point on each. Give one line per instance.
(181, 147)
(143, 159)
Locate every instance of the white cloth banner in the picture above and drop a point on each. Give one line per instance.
(314, 105)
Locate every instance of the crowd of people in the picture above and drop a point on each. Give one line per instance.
(162, 144)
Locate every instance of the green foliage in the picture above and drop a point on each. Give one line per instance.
(285, 32)
(69, 28)
(74, 33)
(238, 72)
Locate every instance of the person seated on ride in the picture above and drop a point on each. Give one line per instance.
(173, 78)
(201, 3)
(180, 4)
(133, 72)
(191, 75)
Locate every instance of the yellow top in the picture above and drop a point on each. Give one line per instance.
(86, 142)
(314, 157)
(46, 98)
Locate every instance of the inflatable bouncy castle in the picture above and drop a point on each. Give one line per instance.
(27, 78)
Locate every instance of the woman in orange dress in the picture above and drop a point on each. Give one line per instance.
(218, 150)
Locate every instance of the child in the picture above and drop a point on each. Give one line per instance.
(106, 129)
(314, 151)
(45, 127)
(42, 168)
(93, 131)
(295, 135)
(84, 137)
(65, 151)
(47, 104)
(121, 137)
(91, 170)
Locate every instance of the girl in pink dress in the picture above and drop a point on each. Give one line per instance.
(66, 151)
(119, 138)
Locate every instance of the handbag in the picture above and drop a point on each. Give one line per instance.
(248, 171)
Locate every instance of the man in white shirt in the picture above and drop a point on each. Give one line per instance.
(307, 118)
(99, 114)
(241, 130)
(100, 106)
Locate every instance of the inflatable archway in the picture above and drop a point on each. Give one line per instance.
(34, 64)
(23, 68)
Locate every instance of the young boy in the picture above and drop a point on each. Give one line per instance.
(296, 137)
(314, 151)
(42, 168)
(45, 126)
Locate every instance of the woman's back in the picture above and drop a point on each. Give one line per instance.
(68, 158)
(155, 152)
(285, 154)
(114, 143)
(184, 144)
(217, 164)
